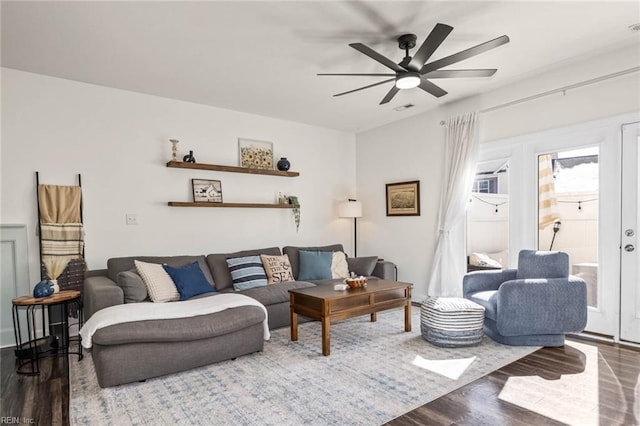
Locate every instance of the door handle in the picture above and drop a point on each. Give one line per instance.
(629, 248)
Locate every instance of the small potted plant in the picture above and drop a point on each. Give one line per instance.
(293, 200)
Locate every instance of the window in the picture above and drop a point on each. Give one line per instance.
(487, 226)
(485, 185)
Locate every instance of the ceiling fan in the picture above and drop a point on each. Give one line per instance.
(415, 71)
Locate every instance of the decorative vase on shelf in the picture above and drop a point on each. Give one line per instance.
(43, 289)
(283, 164)
(189, 158)
(56, 287)
(174, 149)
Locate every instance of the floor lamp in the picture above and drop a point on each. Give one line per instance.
(352, 209)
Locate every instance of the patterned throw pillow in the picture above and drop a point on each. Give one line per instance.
(159, 284)
(247, 272)
(278, 268)
(339, 265)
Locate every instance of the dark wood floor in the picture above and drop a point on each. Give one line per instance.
(606, 374)
(39, 400)
(610, 372)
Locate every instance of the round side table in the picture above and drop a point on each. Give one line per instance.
(28, 352)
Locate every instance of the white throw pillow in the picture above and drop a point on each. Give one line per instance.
(339, 265)
(159, 284)
(502, 257)
(481, 259)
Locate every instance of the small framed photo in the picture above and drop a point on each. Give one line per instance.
(403, 198)
(206, 191)
(255, 154)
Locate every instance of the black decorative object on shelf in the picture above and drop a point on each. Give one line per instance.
(284, 164)
(189, 158)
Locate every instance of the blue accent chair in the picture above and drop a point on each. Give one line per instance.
(534, 305)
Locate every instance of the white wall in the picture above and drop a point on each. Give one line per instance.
(413, 149)
(118, 141)
(403, 151)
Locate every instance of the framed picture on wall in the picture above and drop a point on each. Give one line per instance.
(206, 191)
(255, 154)
(403, 198)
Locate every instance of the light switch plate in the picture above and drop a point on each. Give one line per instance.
(132, 219)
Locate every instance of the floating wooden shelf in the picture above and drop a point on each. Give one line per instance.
(231, 169)
(243, 205)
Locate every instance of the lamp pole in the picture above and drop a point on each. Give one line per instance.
(355, 237)
(352, 209)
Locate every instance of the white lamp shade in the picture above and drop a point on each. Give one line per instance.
(350, 209)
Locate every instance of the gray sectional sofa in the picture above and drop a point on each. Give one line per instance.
(134, 351)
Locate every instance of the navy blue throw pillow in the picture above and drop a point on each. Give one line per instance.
(189, 280)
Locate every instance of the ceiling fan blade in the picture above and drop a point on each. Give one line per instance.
(465, 54)
(429, 87)
(365, 87)
(377, 57)
(460, 73)
(429, 45)
(390, 94)
(364, 75)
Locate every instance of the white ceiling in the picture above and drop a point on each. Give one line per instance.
(262, 57)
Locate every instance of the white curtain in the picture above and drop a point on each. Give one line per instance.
(461, 157)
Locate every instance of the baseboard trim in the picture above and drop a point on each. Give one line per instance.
(605, 339)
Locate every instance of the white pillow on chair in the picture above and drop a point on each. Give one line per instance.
(481, 259)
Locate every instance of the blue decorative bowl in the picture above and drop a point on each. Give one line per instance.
(43, 289)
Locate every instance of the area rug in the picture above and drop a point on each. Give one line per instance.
(375, 372)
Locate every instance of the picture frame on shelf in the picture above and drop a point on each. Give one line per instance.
(255, 154)
(206, 191)
(403, 198)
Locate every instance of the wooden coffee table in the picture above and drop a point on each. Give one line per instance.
(325, 304)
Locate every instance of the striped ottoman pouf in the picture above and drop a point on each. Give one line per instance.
(451, 322)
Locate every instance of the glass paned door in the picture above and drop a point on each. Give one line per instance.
(568, 207)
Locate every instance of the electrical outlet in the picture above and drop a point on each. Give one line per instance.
(132, 219)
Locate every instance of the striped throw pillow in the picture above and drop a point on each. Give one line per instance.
(247, 272)
(159, 284)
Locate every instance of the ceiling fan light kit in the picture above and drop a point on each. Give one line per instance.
(415, 71)
(408, 80)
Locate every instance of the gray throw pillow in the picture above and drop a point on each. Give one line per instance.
(362, 265)
(132, 285)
